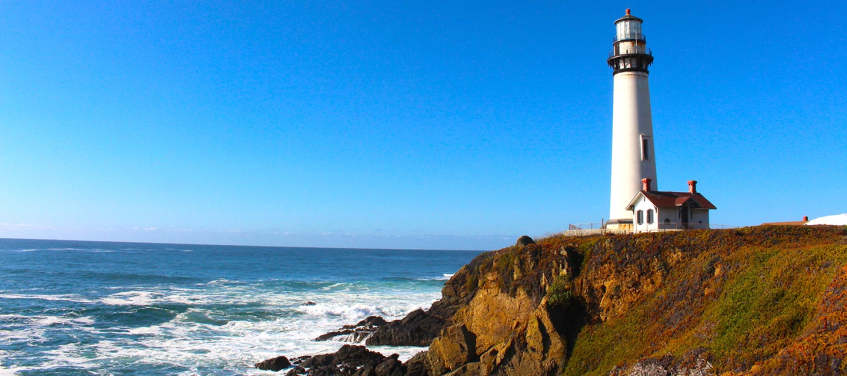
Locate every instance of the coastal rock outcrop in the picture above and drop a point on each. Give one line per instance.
(421, 327)
(348, 361)
(418, 328)
(274, 364)
(524, 241)
(754, 301)
(355, 333)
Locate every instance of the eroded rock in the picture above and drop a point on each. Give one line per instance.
(452, 349)
(355, 333)
(418, 328)
(524, 241)
(351, 361)
(274, 364)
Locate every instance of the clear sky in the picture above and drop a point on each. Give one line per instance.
(437, 124)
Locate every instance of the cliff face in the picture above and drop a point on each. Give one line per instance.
(761, 300)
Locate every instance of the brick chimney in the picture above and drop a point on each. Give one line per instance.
(692, 186)
(646, 184)
(805, 218)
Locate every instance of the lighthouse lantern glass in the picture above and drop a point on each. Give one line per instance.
(629, 29)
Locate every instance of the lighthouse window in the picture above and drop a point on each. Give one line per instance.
(650, 216)
(640, 217)
(645, 152)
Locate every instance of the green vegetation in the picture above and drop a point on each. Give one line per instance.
(559, 295)
(742, 296)
(768, 299)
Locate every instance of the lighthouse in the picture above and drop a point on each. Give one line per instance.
(633, 155)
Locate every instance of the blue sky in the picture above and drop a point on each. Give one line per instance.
(451, 125)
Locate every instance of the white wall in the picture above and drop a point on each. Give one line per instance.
(699, 219)
(644, 205)
(669, 213)
(631, 118)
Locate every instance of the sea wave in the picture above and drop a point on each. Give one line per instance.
(138, 312)
(92, 250)
(443, 277)
(213, 332)
(222, 281)
(50, 297)
(45, 320)
(149, 298)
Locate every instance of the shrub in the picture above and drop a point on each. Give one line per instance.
(559, 293)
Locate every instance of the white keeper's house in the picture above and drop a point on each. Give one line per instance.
(656, 210)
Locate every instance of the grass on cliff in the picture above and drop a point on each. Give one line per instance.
(529, 268)
(559, 295)
(739, 295)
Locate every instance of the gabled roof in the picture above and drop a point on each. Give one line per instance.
(672, 199)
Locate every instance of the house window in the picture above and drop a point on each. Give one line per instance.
(639, 217)
(645, 152)
(650, 216)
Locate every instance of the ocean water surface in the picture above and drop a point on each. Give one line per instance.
(83, 308)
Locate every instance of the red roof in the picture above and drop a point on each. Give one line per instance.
(674, 199)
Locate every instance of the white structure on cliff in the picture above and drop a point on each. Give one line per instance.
(633, 156)
(652, 211)
(838, 220)
(636, 204)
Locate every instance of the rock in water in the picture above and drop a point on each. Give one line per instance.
(369, 321)
(417, 366)
(524, 240)
(297, 370)
(274, 364)
(355, 333)
(352, 361)
(418, 328)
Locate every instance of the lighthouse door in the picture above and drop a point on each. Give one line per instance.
(683, 213)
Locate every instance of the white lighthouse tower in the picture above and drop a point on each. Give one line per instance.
(633, 156)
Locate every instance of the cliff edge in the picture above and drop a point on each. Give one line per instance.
(753, 301)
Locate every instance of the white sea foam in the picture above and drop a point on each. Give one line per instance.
(220, 281)
(66, 297)
(147, 330)
(147, 298)
(443, 277)
(61, 320)
(43, 321)
(67, 355)
(11, 371)
(34, 329)
(141, 298)
(198, 336)
(5, 370)
(332, 286)
(213, 331)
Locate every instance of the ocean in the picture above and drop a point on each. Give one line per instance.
(101, 308)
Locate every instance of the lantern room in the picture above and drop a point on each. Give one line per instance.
(629, 28)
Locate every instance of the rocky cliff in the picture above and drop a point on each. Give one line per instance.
(752, 301)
